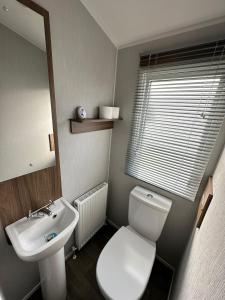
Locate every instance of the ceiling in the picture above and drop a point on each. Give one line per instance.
(23, 21)
(129, 22)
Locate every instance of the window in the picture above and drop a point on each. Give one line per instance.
(178, 111)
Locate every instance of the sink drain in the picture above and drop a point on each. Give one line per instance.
(50, 236)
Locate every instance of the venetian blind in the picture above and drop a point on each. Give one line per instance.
(178, 111)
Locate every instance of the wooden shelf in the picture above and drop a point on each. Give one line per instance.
(87, 125)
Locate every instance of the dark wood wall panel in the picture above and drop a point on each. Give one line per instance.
(31, 191)
(34, 190)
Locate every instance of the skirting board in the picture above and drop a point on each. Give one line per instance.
(34, 289)
(171, 285)
(112, 223)
(38, 285)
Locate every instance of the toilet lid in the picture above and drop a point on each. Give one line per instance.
(124, 265)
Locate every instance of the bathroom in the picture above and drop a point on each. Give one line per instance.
(95, 54)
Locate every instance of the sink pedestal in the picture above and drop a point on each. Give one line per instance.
(53, 276)
(28, 237)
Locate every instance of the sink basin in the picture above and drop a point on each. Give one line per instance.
(29, 238)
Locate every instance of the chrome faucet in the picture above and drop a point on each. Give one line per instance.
(41, 212)
(46, 210)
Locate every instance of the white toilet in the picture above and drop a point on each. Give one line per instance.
(124, 265)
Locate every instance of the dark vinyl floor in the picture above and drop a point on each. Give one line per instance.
(81, 279)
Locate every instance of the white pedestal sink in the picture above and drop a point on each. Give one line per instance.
(29, 239)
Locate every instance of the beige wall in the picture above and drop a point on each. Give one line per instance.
(84, 68)
(202, 272)
(179, 223)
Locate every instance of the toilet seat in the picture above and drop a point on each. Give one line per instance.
(124, 265)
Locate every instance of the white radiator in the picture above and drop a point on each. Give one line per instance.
(92, 213)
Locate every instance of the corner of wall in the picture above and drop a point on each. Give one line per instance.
(114, 92)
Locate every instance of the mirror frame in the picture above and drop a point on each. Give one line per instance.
(34, 190)
(45, 14)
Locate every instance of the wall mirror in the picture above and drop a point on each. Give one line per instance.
(26, 104)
